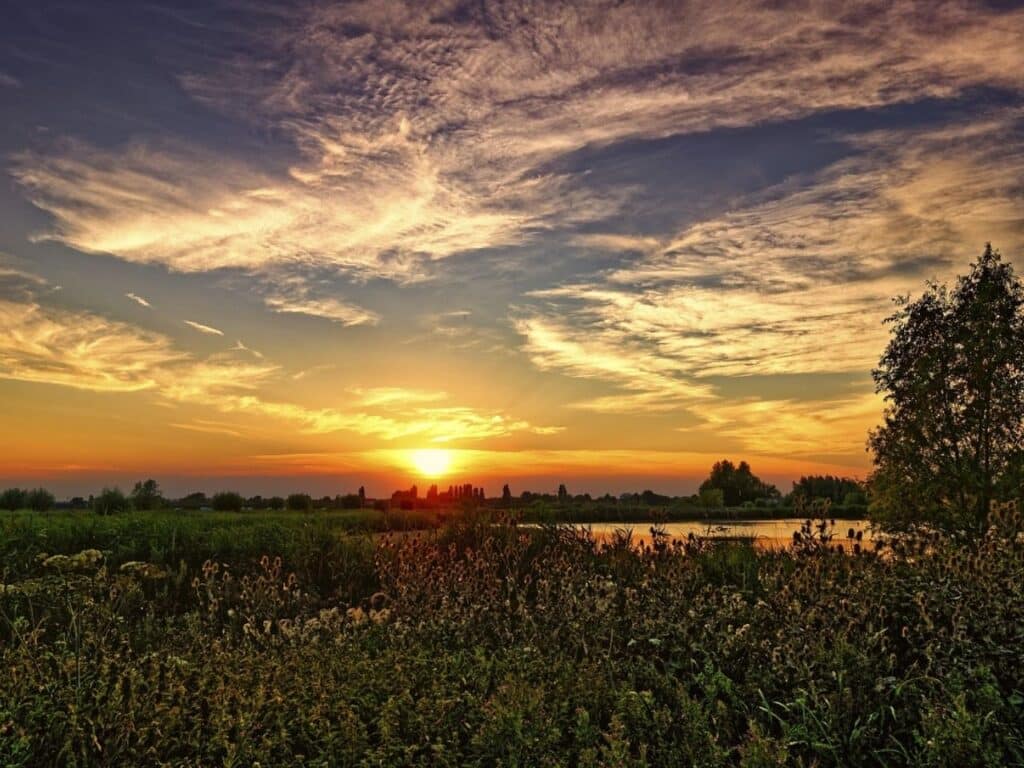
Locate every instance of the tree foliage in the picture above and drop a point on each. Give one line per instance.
(110, 501)
(953, 379)
(737, 483)
(227, 501)
(146, 495)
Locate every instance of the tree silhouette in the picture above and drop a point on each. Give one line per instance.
(146, 495)
(953, 379)
(737, 483)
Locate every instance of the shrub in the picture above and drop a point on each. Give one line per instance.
(301, 502)
(227, 501)
(110, 501)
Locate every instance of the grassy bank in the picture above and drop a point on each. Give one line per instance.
(495, 645)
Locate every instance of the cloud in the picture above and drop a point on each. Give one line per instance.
(797, 280)
(327, 308)
(78, 349)
(9, 81)
(87, 351)
(138, 300)
(792, 427)
(423, 132)
(378, 396)
(204, 328)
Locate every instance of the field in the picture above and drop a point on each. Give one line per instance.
(287, 639)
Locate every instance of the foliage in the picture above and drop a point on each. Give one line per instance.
(491, 645)
(227, 501)
(838, 490)
(738, 484)
(300, 502)
(146, 495)
(39, 500)
(110, 501)
(14, 498)
(953, 378)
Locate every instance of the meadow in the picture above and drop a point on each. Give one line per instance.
(275, 639)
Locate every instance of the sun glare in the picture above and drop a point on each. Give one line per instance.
(431, 462)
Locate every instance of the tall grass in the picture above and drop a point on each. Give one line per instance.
(495, 644)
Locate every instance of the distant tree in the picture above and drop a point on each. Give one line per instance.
(563, 493)
(227, 501)
(13, 498)
(737, 483)
(654, 499)
(146, 495)
(300, 502)
(362, 497)
(506, 494)
(77, 502)
(275, 503)
(39, 500)
(835, 489)
(196, 500)
(953, 380)
(110, 501)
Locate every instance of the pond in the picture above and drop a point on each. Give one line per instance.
(767, 534)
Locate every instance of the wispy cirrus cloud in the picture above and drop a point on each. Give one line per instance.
(424, 131)
(799, 279)
(209, 330)
(142, 302)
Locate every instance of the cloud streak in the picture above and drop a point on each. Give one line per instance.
(207, 329)
(138, 300)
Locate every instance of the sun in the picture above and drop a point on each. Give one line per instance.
(431, 462)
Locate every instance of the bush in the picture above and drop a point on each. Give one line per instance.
(13, 499)
(110, 501)
(39, 500)
(301, 502)
(275, 502)
(227, 501)
(712, 498)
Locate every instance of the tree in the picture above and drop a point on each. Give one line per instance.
(13, 499)
(737, 483)
(146, 495)
(506, 494)
(301, 502)
(953, 379)
(563, 494)
(110, 502)
(227, 501)
(362, 497)
(276, 503)
(39, 500)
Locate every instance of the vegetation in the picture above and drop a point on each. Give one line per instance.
(738, 484)
(486, 643)
(953, 377)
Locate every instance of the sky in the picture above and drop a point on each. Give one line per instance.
(275, 246)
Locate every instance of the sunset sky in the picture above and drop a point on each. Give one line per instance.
(277, 246)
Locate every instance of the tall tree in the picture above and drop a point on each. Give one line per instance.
(953, 379)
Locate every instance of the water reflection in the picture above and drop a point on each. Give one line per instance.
(765, 534)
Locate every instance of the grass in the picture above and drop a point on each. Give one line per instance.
(484, 643)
